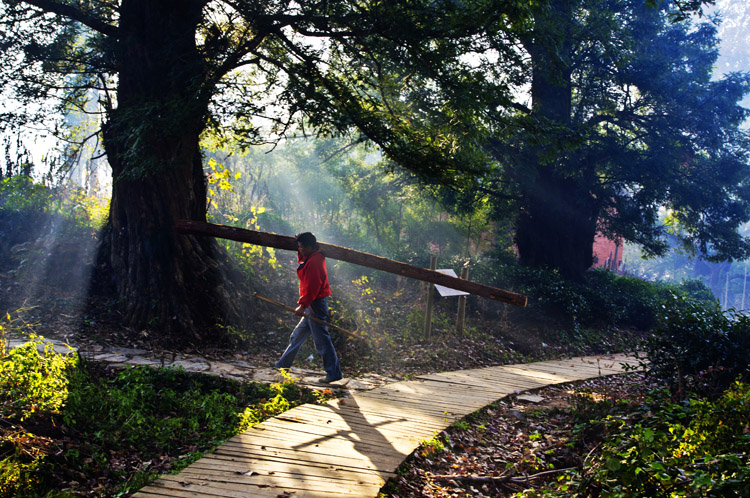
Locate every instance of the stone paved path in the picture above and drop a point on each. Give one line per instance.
(118, 357)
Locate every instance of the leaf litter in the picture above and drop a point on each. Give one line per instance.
(515, 444)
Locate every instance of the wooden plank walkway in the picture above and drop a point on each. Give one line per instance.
(350, 447)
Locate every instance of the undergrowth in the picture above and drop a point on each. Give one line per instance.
(73, 426)
(696, 448)
(698, 349)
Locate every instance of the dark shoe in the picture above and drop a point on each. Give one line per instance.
(326, 380)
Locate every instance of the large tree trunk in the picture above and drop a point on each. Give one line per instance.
(558, 218)
(165, 281)
(556, 228)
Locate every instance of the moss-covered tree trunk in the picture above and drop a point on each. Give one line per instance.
(167, 282)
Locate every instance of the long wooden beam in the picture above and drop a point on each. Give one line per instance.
(350, 256)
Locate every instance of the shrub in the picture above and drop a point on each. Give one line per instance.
(549, 293)
(17, 477)
(601, 299)
(23, 204)
(28, 210)
(96, 423)
(696, 289)
(131, 407)
(33, 380)
(697, 347)
(697, 448)
(20, 193)
(33, 377)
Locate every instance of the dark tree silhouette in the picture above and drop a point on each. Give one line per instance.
(624, 125)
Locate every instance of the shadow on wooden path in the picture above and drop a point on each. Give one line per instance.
(350, 447)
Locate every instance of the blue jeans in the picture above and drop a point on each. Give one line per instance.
(321, 338)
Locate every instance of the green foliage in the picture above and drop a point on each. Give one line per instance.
(633, 302)
(279, 403)
(461, 424)
(168, 411)
(550, 292)
(23, 206)
(33, 378)
(697, 448)
(134, 403)
(616, 87)
(18, 478)
(82, 211)
(698, 290)
(359, 200)
(433, 446)
(602, 299)
(699, 348)
(21, 193)
(22, 200)
(4, 328)
(154, 412)
(29, 210)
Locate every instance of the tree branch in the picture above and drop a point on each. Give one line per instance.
(234, 61)
(76, 15)
(520, 107)
(343, 149)
(498, 479)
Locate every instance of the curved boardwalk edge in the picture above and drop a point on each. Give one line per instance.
(349, 447)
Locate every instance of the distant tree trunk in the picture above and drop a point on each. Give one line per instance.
(558, 219)
(170, 282)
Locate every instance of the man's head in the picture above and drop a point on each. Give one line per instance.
(306, 243)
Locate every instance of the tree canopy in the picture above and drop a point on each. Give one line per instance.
(599, 116)
(621, 122)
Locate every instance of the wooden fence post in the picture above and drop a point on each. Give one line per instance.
(430, 298)
(461, 320)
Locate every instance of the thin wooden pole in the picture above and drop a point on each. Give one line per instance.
(350, 256)
(309, 317)
(461, 319)
(726, 293)
(744, 286)
(614, 263)
(430, 299)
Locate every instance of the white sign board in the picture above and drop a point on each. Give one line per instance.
(447, 292)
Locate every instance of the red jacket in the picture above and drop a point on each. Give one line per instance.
(313, 278)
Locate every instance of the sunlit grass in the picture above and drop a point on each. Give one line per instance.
(120, 429)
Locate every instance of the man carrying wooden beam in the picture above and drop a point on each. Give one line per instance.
(351, 256)
(313, 300)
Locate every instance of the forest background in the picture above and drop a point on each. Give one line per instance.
(634, 130)
(365, 202)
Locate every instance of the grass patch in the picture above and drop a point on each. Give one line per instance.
(71, 427)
